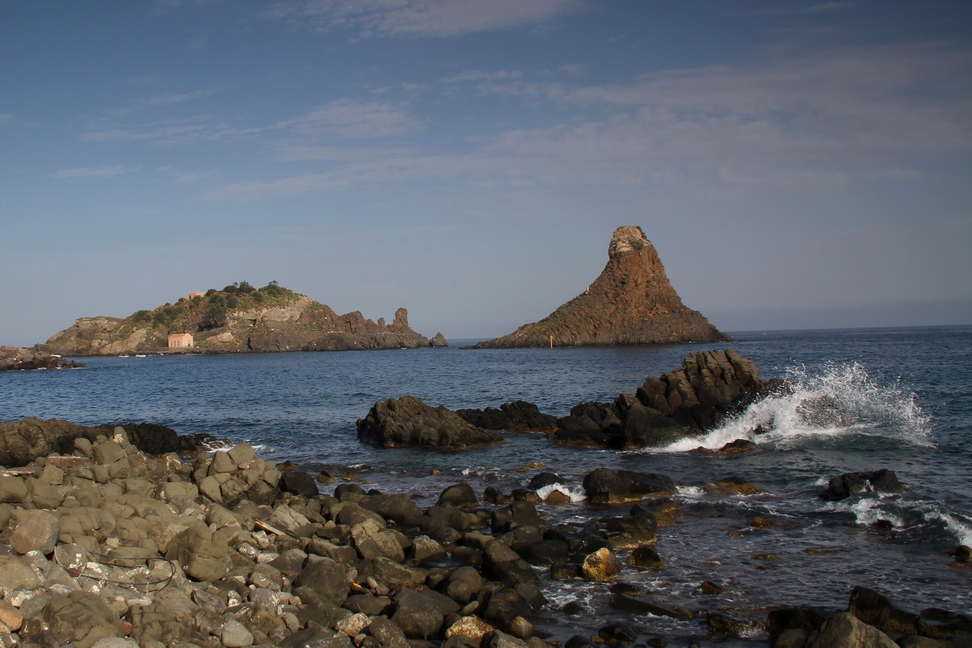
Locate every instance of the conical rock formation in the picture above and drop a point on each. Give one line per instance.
(631, 302)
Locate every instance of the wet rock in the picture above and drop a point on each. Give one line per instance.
(646, 556)
(601, 566)
(604, 486)
(631, 532)
(518, 416)
(498, 639)
(298, 483)
(420, 613)
(387, 633)
(842, 487)
(408, 421)
(399, 508)
(618, 632)
(844, 630)
(731, 486)
(505, 605)
(460, 496)
(463, 584)
(723, 624)
(628, 603)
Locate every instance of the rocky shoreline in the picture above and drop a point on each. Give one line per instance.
(129, 535)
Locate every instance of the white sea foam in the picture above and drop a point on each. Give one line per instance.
(841, 399)
(961, 530)
(576, 494)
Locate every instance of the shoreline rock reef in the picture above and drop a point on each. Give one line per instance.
(681, 404)
(107, 545)
(14, 358)
(238, 319)
(631, 302)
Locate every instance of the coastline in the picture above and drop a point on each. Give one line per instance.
(225, 549)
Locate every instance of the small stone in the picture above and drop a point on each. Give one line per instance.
(601, 566)
(708, 587)
(38, 531)
(235, 635)
(10, 617)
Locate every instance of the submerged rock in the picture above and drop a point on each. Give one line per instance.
(842, 487)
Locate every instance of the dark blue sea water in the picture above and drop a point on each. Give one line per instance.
(909, 390)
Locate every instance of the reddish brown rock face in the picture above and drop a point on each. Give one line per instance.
(631, 302)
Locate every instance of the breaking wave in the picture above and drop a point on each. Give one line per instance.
(839, 400)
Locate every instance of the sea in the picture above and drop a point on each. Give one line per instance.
(906, 394)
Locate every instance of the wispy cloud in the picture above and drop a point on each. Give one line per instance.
(4, 118)
(349, 119)
(833, 119)
(172, 97)
(421, 17)
(480, 75)
(91, 172)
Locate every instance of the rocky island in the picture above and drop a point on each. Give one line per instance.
(238, 318)
(631, 302)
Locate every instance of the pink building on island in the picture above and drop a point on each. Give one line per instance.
(196, 294)
(181, 340)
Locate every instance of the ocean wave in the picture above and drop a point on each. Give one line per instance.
(839, 401)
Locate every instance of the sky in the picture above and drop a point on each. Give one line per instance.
(796, 164)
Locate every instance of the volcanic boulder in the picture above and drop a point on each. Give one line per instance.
(407, 421)
(631, 302)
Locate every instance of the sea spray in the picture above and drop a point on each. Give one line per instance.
(840, 399)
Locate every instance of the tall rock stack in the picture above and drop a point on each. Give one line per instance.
(631, 302)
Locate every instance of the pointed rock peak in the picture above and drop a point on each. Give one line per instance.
(631, 302)
(627, 238)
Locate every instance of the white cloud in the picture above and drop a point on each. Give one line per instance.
(843, 117)
(91, 172)
(349, 119)
(479, 75)
(422, 17)
(171, 97)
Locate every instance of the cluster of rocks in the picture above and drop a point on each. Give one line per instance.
(14, 358)
(710, 386)
(104, 545)
(871, 620)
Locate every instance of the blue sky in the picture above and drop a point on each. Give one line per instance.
(796, 164)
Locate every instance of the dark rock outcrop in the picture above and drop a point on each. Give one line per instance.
(14, 358)
(518, 416)
(631, 302)
(842, 487)
(710, 386)
(407, 421)
(605, 486)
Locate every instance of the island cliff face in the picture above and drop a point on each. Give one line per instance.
(631, 302)
(271, 319)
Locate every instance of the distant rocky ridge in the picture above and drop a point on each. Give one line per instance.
(631, 302)
(238, 318)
